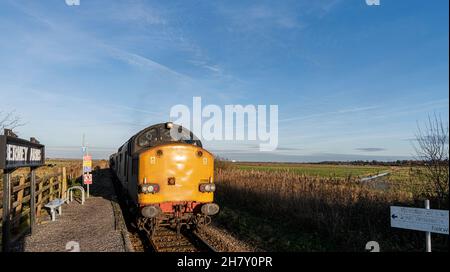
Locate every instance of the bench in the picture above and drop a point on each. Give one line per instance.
(53, 205)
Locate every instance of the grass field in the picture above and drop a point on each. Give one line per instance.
(340, 171)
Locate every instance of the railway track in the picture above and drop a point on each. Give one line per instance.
(167, 240)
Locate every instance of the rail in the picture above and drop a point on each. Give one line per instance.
(166, 239)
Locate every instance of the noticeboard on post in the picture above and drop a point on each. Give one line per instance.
(87, 178)
(87, 164)
(429, 220)
(87, 168)
(16, 152)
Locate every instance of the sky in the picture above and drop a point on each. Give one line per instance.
(351, 81)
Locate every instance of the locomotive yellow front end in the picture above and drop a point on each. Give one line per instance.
(167, 177)
(176, 182)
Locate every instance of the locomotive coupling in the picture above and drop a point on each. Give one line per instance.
(210, 209)
(151, 211)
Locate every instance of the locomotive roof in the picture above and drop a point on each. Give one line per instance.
(160, 134)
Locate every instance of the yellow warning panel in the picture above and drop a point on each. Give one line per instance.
(87, 163)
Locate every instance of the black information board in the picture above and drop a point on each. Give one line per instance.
(16, 152)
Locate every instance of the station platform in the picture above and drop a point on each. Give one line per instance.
(96, 226)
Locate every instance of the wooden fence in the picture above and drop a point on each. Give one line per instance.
(47, 188)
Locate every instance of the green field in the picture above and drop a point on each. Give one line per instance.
(320, 170)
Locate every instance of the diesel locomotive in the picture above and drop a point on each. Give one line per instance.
(167, 177)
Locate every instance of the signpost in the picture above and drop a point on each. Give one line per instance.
(87, 164)
(16, 153)
(87, 178)
(87, 168)
(428, 220)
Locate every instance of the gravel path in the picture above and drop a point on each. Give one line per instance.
(97, 226)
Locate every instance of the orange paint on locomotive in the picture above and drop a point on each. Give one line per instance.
(178, 169)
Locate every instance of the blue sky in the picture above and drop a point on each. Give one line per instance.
(351, 81)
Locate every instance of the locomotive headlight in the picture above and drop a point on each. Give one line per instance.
(149, 188)
(207, 187)
(169, 125)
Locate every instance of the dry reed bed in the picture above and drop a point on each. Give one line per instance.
(342, 210)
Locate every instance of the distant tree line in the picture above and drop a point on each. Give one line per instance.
(408, 163)
(382, 163)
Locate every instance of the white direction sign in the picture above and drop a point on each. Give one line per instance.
(420, 219)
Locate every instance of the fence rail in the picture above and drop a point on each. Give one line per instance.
(47, 188)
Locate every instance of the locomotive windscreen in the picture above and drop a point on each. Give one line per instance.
(161, 134)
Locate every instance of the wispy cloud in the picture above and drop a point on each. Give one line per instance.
(425, 107)
(331, 113)
(93, 45)
(258, 17)
(58, 97)
(137, 11)
(141, 61)
(370, 149)
(357, 109)
(385, 111)
(204, 64)
(113, 68)
(260, 14)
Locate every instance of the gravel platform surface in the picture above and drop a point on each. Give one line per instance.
(97, 226)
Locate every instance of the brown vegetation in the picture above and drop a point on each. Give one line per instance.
(342, 213)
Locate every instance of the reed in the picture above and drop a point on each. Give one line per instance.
(342, 211)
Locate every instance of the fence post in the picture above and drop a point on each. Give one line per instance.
(39, 206)
(64, 184)
(18, 209)
(50, 193)
(6, 210)
(428, 234)
(59, 184)
(33, 199)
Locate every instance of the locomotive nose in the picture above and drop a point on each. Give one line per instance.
(210, 209)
